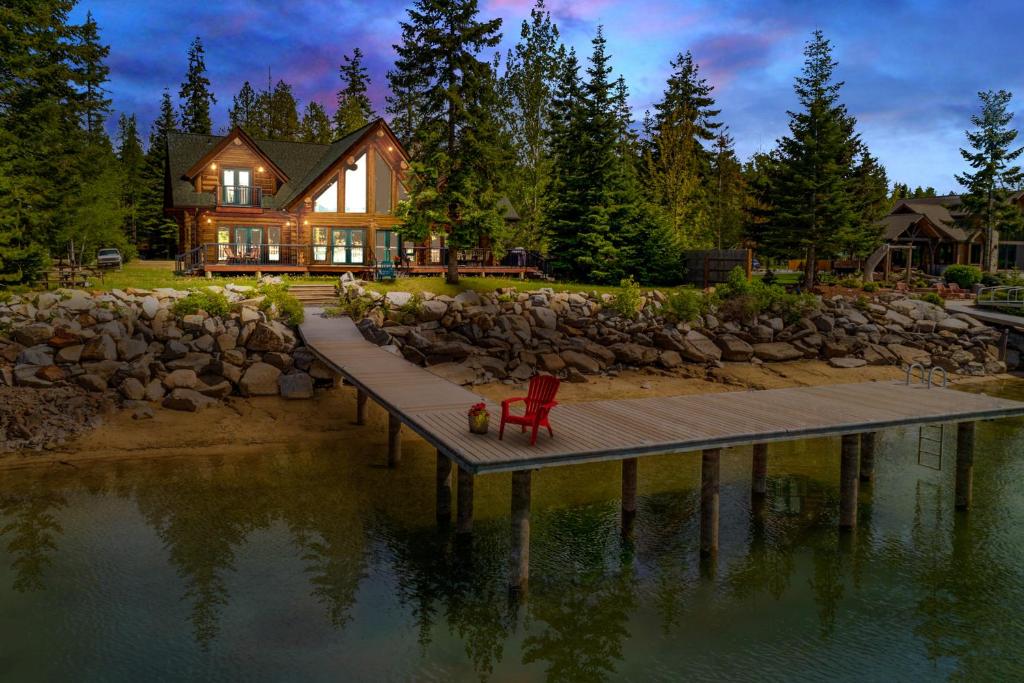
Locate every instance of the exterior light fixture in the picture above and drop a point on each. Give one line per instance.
(391, 148)
(213, 166)
(305, 222)
(259, 170)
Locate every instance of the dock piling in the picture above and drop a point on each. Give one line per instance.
(848, 481)
(867, 457)
(394, 440)
(709, 488)
(759, 480)
(464, 503)
(964, 464)
(360, 407)
(444, 490)
(519, 558)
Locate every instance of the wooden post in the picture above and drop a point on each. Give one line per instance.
(709, 483)
(628, 490)
(867, 457)
(444, 490)
(759, 482)
(848, 465)
(360, 407)
(519, 558)
(1004, 341)
(394, 440)
(464, 503)
(964, 464)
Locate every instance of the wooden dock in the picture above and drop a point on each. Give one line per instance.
(622, 430)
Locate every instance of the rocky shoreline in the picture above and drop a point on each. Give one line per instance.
(66, 357)
(509, 336)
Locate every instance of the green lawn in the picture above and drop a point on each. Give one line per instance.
(152, 274)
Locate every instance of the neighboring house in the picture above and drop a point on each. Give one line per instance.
(245, 205)
(935, 232)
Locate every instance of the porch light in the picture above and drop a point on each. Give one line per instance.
(259, 170)
(213, 166)
(305, 222)
(209, 220)
(391, 148)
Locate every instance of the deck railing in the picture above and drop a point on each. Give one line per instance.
(240, 195)
(1001, 297)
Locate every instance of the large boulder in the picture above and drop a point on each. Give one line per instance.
(295, 385)
(777, 351)
(178, 379)
(847, 362)
(266, 337)
(130, 349)
(100, 347)
(952, 325)
(908, 354)
(581, 361)
(734, 349)
(31, 335)
(188, 400)
(431, 310)
(551, 362)
(698, 348)
(634, 354)
(544, 317)
(260, 379)
(132, 389)
(397, 299)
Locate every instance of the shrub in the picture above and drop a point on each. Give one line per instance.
(965, 276)
(870, 287)
(355, 308)
(627, 302)
(853, 282)
(742, 299)
(684, 305)
(933, 298)
(277, 298)
(214, 303)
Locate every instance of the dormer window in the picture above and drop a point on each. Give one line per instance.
(355, 186)
(327, 200)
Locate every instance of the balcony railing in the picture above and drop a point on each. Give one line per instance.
(240, 195)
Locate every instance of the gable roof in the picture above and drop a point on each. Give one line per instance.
(301, 163)
(938, 215)
(235, 133)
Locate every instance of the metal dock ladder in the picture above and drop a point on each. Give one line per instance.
(930, 437)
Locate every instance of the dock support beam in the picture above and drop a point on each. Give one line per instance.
(759, 480)
(394, 440)
(709, 485)
(629, 467)
(867, 457)
(519, 558)
(464, 503)
(848, 484)
(360, 407)
(964, 464)
(444, 490)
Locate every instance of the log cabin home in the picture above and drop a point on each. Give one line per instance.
(244, 205)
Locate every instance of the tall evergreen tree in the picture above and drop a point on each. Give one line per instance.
(133, 165)
(315, 125)
(677, 165)
(870, 190)
(195, 93)
(726, 205)
(354, 107)
(407, 91)
(528, 88)
(454, 142)
(813, 201)
(243, 112)
(158, 231)
(92, 74)
(282, 114)
(994, 176)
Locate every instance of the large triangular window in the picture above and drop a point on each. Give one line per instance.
(355, 186)
(327, 200)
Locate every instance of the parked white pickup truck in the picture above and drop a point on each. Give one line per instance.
(109, 258)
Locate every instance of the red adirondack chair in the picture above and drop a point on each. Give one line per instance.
(540, 399)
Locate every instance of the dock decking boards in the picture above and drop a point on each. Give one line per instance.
(611, 430)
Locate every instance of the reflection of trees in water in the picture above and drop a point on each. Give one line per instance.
(31, 529)
(667, 536)
(464, 579)
(582, 597)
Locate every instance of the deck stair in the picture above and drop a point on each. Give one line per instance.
(314, 295)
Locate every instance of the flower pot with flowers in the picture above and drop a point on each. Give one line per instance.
(478, 418)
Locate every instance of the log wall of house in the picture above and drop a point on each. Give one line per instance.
(237, 155)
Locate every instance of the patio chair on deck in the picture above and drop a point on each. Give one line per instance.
(540, 399)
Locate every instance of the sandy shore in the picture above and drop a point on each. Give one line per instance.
(252, 426)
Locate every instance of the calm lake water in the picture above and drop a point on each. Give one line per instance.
(316, 563)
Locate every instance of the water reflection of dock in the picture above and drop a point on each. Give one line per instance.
(624, 429)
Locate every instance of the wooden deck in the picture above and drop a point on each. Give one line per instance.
(601, 430)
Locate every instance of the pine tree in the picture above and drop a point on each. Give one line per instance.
(159, 231)
(92, 74)
(407, 91)
(454, 144)
(528, 88)
(282, 113)
(315, 125)
(677, 165)
(870, 188)
(354, 107)
(243, 112)
(727, 191)
(195, 93)
(994, 175)
(814, 208)
(133, 164)
(758, 203)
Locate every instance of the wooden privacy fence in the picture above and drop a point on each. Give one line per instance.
(708, 267)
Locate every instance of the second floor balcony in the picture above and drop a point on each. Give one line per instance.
(239, 195)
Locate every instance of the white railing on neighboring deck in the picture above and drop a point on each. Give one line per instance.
(1003, 296)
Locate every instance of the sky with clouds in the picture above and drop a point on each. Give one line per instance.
(912, 68)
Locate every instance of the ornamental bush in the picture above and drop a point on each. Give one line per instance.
(214, 303)
(627, 302)
(965, 276)
(684, 305)
(276, 297)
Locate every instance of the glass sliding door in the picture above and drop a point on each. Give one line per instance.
(237, 190)
(248, 243)
(386, 246)
(320, 245)
(347, 246)
(274, 244)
